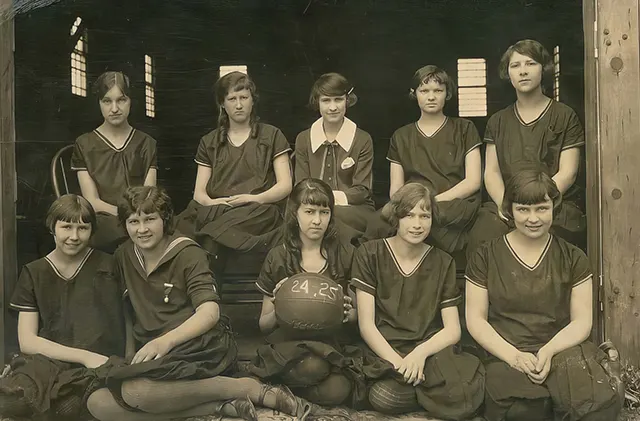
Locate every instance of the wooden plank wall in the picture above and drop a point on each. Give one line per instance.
(619, 119)
(8, 244)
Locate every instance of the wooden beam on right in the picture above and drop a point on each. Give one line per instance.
(619, 110)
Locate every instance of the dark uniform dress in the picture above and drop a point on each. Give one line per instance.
(245, 169)
(346, 165)
(407, 313)
(113, 170)
(84, 312)
(283, 351)
(528, 306)
(163, 300)
(437, 161)
(538, 143)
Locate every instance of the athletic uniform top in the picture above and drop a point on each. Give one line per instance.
(408, 305)
(82, 311)
(345, 164)
(540, 141)
(169, 295)
(437, 160)
(114, 169)
(274, 268)
(245, 169)
(528, 305)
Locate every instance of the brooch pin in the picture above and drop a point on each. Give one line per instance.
(167, 291)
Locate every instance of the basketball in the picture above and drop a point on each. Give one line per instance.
(309, 302)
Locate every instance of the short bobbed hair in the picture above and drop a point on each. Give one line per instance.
(530, 48)
(331, 84)
(71, 208)
(430, 73)
(405, 199)
(529, 186)
(108, 80)
(146, 199)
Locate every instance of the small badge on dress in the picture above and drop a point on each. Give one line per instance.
(347, 163)
(167, 291)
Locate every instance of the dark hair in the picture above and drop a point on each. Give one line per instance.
(529, 48)
(331, 84)
(234, 82)
(108, 80)
(309, 191)
(405, 199)
(71, 208)
(529, 187)
(430, 73)
(146, 199)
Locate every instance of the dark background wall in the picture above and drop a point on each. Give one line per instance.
(286, 44)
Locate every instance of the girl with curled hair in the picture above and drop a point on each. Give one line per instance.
(180, 350)
(112, 158)
(311, 364)
(529, 305)
(535, 130)
(243, 176)
(335, 150)
(442, 153)
(407, 301)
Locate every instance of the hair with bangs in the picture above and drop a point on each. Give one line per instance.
(108, 80)
(331, 84)
(234, 82)
(529, 187)
(405, 199)
(532, 49)
(310, 191)
(71, 208)
(146, 199)
(430, 73)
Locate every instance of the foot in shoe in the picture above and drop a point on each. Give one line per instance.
(240, 408)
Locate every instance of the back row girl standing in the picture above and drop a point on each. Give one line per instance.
(534, 131)
(111, 158)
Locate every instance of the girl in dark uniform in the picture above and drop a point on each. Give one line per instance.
(313, 367)
(243, 176)
(529, 304)
(111, 158)
(442, 153)
(407, 301)
(181, 348)
(336, 151)
(69, 319)
(534, 130)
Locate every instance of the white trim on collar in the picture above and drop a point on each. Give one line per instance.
(344, 138)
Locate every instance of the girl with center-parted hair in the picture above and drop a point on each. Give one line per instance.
(113, 157)
(407, 301)
(243, 176)
(534, 130)
(70, 320)
(442, 153)
(312, 364)
(180, 349)
(338, 152)
(529, 304)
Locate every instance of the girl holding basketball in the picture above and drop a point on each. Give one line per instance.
(111, 158)
(311, 366)
(338, 152)
(529, 305)
(535, 130)
(407, 301)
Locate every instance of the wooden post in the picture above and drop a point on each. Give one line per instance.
(618, 89)
(8, 245)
